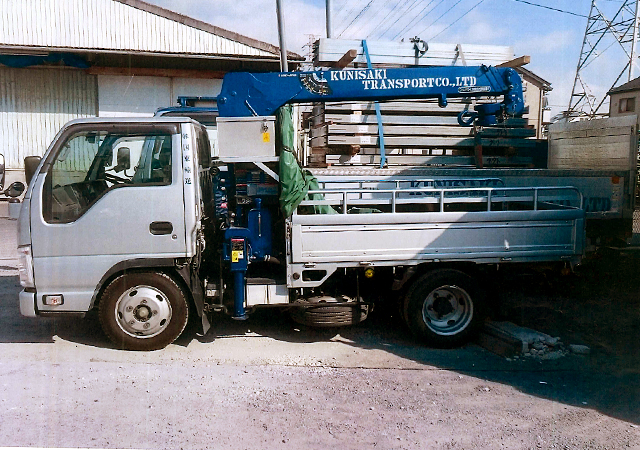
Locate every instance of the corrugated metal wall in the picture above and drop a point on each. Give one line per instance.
(35, 103)
(108, 25)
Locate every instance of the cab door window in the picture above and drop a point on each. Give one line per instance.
(89, 164)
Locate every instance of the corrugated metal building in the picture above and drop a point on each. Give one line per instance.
(65, 59)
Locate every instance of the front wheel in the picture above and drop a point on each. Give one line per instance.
(143, 311)
(444, 308)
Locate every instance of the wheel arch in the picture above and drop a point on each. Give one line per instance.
(164, 265)
(467, 267)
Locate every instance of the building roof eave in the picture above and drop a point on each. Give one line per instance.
(632, 85)
(544, 83)
(39, 50)
(207, 27)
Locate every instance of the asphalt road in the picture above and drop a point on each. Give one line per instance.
(268, 383)
(8, 246)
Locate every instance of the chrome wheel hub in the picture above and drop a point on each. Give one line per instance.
(143, 311)
(447, 310)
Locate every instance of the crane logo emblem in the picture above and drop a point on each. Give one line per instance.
(315, 84)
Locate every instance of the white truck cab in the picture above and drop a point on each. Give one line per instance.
(113, 196)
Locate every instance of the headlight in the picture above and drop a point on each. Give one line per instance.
(25, 267)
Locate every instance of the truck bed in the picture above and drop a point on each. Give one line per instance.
(608, 194)
(408, 226)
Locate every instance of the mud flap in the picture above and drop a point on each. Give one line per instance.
(206, 326)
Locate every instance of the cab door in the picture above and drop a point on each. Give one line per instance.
(110, 192)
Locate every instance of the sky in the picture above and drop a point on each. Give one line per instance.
(552, 38)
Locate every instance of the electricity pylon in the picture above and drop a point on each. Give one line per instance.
(601, 34)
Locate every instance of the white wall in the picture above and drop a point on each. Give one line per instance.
(193, 87)
(614, 104)
(35, 103)
(138, 96)
(120, 96)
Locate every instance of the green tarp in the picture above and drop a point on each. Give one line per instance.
(295, 183)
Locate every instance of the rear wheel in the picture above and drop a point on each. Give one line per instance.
(143, 311)
(444, 308)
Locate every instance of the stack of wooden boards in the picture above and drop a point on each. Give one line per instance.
(327, 52)
(416, 132)
(602, 144)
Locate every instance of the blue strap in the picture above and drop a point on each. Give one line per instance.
(383, 159)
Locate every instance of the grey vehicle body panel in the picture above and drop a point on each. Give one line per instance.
(326, 242)
(419, 236)
(27, 303)
(72, 258)
(603, 198)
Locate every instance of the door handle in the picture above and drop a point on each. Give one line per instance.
(158, 228)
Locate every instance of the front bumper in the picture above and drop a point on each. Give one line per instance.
(27, 303)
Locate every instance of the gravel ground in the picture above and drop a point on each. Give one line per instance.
(268, 383)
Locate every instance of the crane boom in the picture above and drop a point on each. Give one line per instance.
(245, 94)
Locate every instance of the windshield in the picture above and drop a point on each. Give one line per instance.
(91, 163)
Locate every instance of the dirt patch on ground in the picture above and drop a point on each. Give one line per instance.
(598, 305)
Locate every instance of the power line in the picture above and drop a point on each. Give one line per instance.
(364, 21)
(386, 15)
(417, 18)
(362, 11)
(346, 2)
(551, 8)
(441, 16)
(401, 16)
(354, 7)
(597, 55)
(399, 7)
(457, 20)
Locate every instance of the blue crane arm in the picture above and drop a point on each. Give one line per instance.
(246, 94)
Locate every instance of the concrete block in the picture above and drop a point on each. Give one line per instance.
(579, 349)
(502, 345)
(526, 335)
(508, 339)
(498, 341)
(552, 356)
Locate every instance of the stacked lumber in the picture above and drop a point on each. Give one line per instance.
(603, 144)
(327, 52)
(416, 132)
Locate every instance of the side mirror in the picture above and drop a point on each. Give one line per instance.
(31, 164)
(15, 189)
(123, 159)
(1, 171)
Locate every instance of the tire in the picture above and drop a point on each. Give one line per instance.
(444, 308)
(328, 312)
(143, 311)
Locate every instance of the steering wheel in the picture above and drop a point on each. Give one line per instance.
(116, 179)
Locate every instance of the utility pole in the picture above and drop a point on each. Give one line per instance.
(601, 34)
(284, 65)
(328, 13)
